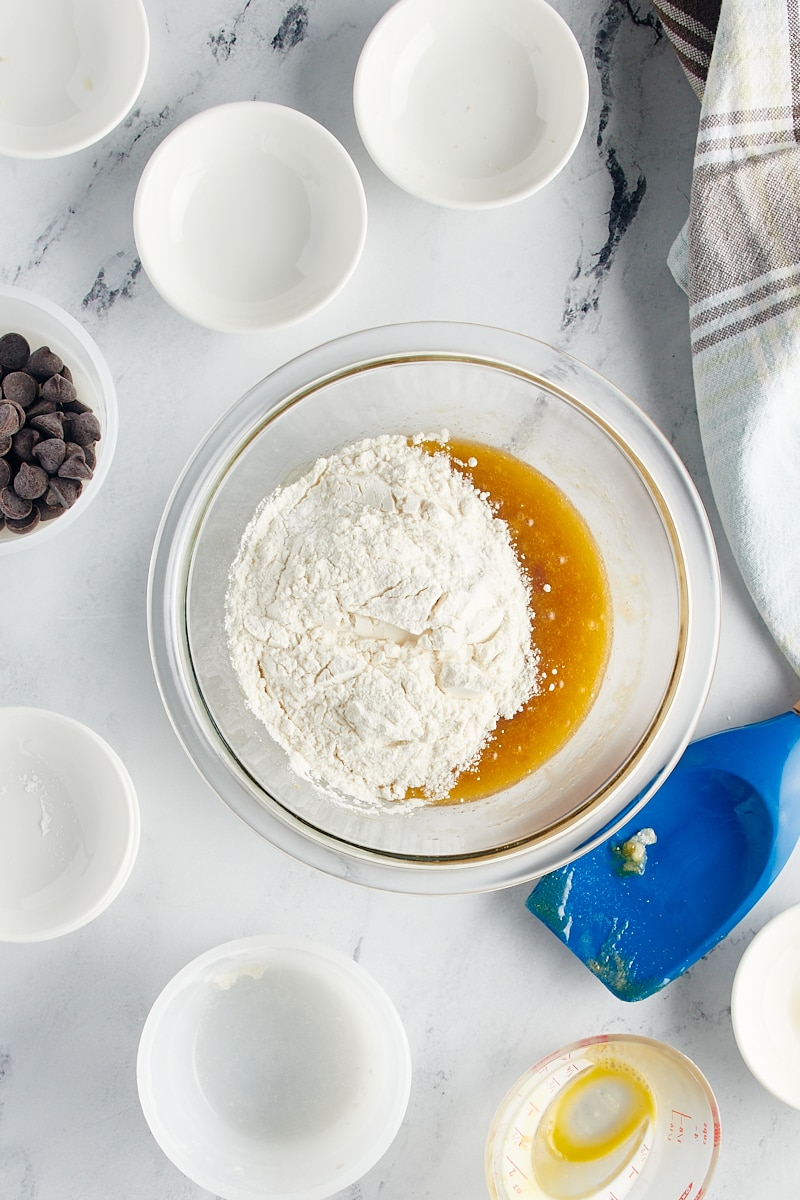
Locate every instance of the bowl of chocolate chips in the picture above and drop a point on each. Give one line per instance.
(58, 419)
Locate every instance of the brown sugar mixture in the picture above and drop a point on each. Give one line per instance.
(572, 623)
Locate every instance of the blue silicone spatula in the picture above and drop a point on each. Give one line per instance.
(725, 822)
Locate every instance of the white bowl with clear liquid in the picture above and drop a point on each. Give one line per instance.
(69, 825)
(273, 1067)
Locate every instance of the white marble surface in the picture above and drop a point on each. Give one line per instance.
(484, 990)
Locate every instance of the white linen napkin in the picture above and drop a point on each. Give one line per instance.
(738, 258)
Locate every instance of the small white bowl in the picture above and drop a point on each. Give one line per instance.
(249, 216)
(765, 1006)
(44, 323)
(272, 1067)
(474, 104)
(70, 71)
(69, 825)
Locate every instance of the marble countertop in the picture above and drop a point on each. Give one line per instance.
(484, 990)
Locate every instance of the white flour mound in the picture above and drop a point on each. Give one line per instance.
(378, 621)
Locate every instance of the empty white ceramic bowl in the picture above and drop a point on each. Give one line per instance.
(70, 70)
(471, 104)
(69, 825)
(44, 323)
(765, 1006)
(249, 216)
(272, 1068)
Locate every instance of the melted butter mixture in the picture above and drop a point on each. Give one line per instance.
(592, 1129)
(572, 625)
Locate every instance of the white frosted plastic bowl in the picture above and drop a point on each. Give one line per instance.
(539, 404)
(272, 1068)
(70, 70)
(765, 1006)
(471, 104)
(249, 216)
(69, 825)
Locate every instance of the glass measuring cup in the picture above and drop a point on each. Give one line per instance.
(660, 1143)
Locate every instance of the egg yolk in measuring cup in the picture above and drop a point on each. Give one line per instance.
(592, 1129)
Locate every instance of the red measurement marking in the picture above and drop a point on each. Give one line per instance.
(514, 1169)
(676, 1127)
(687, 1193)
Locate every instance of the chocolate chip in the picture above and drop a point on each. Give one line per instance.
(20, 386)
(62, 493)
(59, 389)
(85, 428)
(50, 454)
(47, 436)
(22, 443)
(30, 482)
(50, 424)
(20, 410)
(24, 524)
(9, 419)
(14, 351)
(43, 363)
(48, 511)
(13, 505)
(74, 467)
(41, 406)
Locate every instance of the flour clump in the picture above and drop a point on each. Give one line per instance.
(379, 621)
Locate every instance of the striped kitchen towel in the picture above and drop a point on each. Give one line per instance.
(738, 258)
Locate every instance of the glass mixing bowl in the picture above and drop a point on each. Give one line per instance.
(487, 386)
